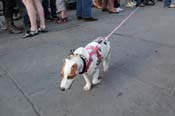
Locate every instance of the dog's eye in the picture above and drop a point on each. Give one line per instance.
(73, 66)
(71, 77)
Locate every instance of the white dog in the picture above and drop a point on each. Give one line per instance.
(85, 61)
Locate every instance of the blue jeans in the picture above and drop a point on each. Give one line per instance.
(84, 8)
(167, 3)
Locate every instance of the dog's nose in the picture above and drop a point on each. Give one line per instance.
(62, 89)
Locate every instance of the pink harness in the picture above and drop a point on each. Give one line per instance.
(93, 51)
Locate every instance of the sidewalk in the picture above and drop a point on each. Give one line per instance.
(140, 81)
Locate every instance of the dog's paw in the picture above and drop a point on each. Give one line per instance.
(87, 87)
(96, 81)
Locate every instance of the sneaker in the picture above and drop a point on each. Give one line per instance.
(128, 5)
(132, 3)
(171, 6)
(119, 9)
(79, 18)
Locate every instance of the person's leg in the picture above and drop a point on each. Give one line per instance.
(117, 6)
(62, 9)
(86, 11)
(86, 8)
(31, 13)
(98, 3)
(104, 5)
(53, 8)
(45, 4)
(117, 3)
(63, 14)
(8, 14)
(167, 3)
(79, 9)
(110, 6)
(40, 13)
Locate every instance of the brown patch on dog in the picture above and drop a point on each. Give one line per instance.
(62, 69)
(73, 71)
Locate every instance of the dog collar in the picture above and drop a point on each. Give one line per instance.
(84, 65)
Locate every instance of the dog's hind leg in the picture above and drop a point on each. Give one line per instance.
(96, 79)
(105, 65)
(87, 86)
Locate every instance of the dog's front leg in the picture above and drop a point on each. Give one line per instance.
(96, 79)
(87, 86)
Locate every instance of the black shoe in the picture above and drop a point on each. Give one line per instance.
(55, 17)
(90, 19)
(49, 19)
(30, 34)
(104, 10)
(79, 18)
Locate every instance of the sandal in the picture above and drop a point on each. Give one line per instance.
(30, 34)
(43, 30)
(62, 20)
(113, 12)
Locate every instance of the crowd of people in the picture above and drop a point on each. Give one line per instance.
(34, 13)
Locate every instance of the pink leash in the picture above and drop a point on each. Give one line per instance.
(117, 27)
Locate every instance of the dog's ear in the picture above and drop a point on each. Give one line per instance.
(71, 51)
(62, 68)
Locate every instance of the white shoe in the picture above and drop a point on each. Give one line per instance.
(129, 5)
(94, 2)
(119, 9)
(132, 3)
(172, 6)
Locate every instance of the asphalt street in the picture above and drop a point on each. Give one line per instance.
(140, 80)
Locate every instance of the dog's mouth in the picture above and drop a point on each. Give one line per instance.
(63, 88)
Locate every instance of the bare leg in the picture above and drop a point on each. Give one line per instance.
(110, 6)
(98, 4)
(63, 14)
(40, 13)
(104, 5)
(32, 13)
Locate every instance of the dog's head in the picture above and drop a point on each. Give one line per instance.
(68, 74)
(70, 68)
